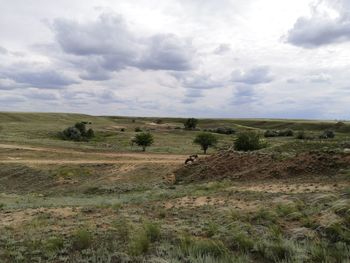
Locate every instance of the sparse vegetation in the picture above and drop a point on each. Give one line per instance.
(100, 201)
(248, 141)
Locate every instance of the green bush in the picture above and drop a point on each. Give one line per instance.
(82, 239)
(152, 231)
(205, 140)
(77, 132)
(139, 244)
(242, 241)
(143, 140)
(301, 135)
(223, 130)
(270, 133)
(90, 133)
(54, 244)
(282, 133)
(191, 124)
(122, 228)
(202, 247)
(248, 141)
(286, 133)
(327, 134)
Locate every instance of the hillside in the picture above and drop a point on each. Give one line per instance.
(104, 200)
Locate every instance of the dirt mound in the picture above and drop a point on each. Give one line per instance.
(237, 165)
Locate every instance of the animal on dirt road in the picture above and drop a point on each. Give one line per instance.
(191, 159)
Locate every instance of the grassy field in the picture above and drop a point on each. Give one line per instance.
(105, 201)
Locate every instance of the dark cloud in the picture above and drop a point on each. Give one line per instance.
(199, 81)
(107, 45)
(10, 99)
(320, 78)
(320, 29)
(194, 93)
(8, 84)
(38, 78)
(244, 94)
(38, 94)
(253, 76)
(168, 52)
(3, 50)
(222, 49)
(108, 35)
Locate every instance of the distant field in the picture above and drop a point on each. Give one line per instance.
(105, 201)
(42, 129)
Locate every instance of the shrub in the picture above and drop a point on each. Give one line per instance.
(72, 133)
(152, 231)
(138, 129)
(77, 132)
(205, 140)
(286, 132)
(54, 244)
(248, 141)
(270, 133)
(139, 244)
(122, 228)
(224, 130)
(144, 140)
(158, 121)
(263, 217)
(90, 133)
(242, 241)
(275, 251)
(301, 135)
(82, 239)
(282, 133)
(122, 129)
(202, 247)
(190, 124)
(211, 229)
(327, 134)
(81, 126)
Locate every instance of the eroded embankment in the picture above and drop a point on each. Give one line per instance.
(252, 165)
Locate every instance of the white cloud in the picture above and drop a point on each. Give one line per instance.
(176, 58)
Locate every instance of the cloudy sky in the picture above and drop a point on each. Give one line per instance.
(203, 58)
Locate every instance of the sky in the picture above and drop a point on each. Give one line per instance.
(185, 58)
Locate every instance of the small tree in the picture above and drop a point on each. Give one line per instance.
(205, 140)
(81, 126)
(144, 140)
(190, 124)
(248, 141)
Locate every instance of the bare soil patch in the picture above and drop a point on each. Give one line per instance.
(247, 166)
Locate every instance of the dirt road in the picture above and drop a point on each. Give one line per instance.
(90, 157)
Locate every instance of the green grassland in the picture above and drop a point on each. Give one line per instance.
(105, 201)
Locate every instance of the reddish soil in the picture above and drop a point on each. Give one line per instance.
(246, 166)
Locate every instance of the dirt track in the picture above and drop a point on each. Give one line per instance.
(91, 157)
(66, 161)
